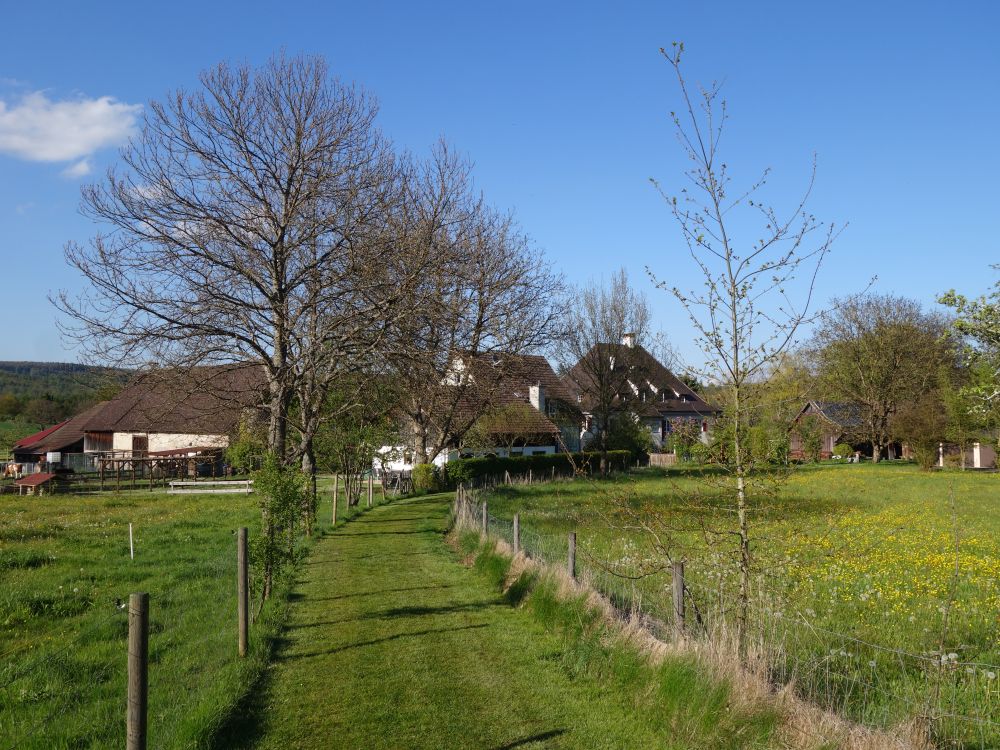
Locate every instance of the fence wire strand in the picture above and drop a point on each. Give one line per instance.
(872, 684)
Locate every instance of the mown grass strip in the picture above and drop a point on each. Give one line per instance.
(392, 643)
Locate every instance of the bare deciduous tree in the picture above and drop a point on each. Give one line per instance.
(250, 224)
(488, 294)
(744, 314)
(595, 350)
(238, 206)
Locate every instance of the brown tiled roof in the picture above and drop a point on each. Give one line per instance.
(845, 415)
(202, 401)
(672, 396)
(517, 418)
(516, 373)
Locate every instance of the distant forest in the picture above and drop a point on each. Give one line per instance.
(44, 393)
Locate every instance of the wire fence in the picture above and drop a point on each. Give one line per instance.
(948, 701)
(68, 689)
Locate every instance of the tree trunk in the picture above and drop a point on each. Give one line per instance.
(309, 469)
(604, 444)
(420, 445)
(743, 521)
(277, 429)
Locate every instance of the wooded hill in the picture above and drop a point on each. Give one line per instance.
(44, 393)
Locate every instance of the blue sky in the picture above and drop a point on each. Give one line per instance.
(563, 108)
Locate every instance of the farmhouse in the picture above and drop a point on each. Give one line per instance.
(534, 413)
(826, 422)
(830, 423)
(654, 395)
(520, 407)
(49, 445)
(172, 413)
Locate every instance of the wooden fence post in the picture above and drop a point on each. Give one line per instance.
(336, 489)
(486, 520)
(530, 476)
(369, 490)
(517, 533)
(138, 671)
(242, 590)
(571, 557)
(677, 573)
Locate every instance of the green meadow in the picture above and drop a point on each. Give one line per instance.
(876, 591)
(65, 570)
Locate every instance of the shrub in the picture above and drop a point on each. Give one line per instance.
(842, 450)
(426, 478)
(469, 470)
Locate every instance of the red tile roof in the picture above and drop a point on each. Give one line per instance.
(64, 435)
(33, 480)
(26, 441)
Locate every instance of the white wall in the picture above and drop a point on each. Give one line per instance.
(168, 441)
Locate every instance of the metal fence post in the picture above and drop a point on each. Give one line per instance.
(677, 572)
(571, 559)
(138, 671)
(242, 590)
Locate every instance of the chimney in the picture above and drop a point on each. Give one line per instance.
(628, 340)
(537, 397)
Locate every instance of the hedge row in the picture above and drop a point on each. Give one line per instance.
(473, 470)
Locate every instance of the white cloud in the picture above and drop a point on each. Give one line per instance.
(79, 169)
(39, 129)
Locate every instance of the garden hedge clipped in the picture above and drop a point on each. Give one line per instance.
(471, 470)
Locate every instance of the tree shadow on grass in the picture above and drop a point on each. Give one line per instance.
(403, 612)
(400, 590)
(540, 737)
(353, 534)
(376, 641)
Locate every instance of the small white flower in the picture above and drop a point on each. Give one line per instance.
(991, 675)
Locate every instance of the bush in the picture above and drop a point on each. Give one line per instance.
(842, 450)
(470, 470)
(426, 478)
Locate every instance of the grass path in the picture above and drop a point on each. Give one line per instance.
(392, 644)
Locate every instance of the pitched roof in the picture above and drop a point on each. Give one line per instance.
(38, 436)
(517, 418)
(666, 395)
(841, 413)
(516, 373)
(60, 437)
(34, 480)
(203, 401)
